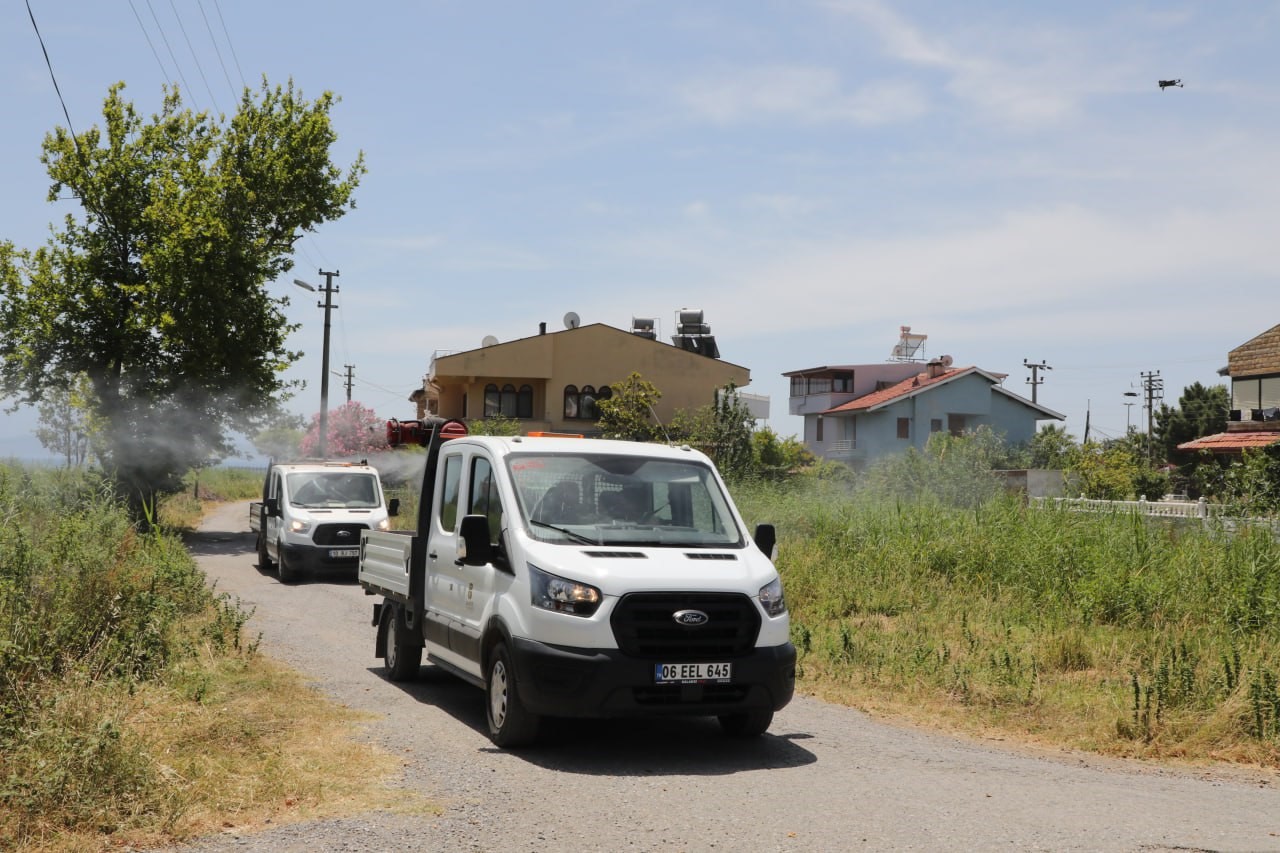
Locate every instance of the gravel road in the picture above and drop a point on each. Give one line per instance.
(824, 778)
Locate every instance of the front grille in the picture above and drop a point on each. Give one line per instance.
(328, 534)
(644, 627)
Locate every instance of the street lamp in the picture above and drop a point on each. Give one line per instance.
(1128, 410)
(329, 289)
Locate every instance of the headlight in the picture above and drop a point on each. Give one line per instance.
(561, 595)
(771, 598)
(385, 524)
(298, 526)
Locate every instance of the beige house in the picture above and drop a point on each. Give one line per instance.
(1254, 418)
(551, 381)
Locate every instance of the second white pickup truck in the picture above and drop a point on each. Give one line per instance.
(311, 514)
(578, 577)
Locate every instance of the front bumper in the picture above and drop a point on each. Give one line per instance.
(315, 559)
(564, 682)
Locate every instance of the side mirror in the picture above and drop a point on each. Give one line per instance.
(474, 548)
(272, 507)
(393, 507)
(766, 539)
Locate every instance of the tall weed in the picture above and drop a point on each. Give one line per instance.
(1032, 613)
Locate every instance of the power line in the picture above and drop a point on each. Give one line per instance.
(194, 58)
(54, 78)
(177, 66)
(214, 41)
(230, 46)
(164, 73)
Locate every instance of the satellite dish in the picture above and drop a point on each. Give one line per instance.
(947, 361)
(489, 340)
(571, 320)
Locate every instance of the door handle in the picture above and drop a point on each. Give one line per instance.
(433, 555)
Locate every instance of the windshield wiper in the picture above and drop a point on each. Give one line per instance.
(576, 537)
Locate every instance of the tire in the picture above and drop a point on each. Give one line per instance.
(402, 656)
(288, 574)
(265, 563)
(746, 724)
(510, 723)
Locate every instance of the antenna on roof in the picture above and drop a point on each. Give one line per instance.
(909, 347)
(572, 321)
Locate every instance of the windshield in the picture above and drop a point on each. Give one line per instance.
(601, 499)
(333, 490)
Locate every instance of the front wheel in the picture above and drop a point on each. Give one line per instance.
(746, 724)
(510, 723)
(284, 568)
(402, 656)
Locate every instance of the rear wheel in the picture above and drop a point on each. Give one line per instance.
(403, 656)
(746, 724)
(510, 723)
(265, 563)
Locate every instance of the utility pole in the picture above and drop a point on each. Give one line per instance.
(1153, 388)
(1035, 379)
(328, 290)
(349, 367)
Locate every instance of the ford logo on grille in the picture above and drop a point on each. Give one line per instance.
(690, 617)
(342, 534)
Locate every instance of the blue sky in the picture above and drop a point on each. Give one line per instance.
(1006, 178)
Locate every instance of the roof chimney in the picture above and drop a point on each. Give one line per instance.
(935, 368)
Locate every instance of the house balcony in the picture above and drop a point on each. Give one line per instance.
(1254, 420)
(811, 404)
(844, 449)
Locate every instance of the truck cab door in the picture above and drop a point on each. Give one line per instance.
(271, 523)
(479, 584)
(445, 584)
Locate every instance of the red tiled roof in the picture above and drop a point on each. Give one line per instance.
(902, 389)
(1232, 442)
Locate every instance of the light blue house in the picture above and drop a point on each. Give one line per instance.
(858, 413)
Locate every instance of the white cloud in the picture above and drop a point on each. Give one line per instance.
(803, 93)
(1030, 264)
(1011, 76)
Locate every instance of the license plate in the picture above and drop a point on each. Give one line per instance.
(690, 673)
(344, 552)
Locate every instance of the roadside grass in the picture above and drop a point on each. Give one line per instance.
(183, 510)
(134, 707)
(1111, 634)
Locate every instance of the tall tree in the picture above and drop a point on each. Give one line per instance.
(66, 422)
(1200, 411)
(157, 290)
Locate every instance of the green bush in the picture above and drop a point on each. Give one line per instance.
(89, 607)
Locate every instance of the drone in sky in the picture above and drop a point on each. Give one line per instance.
(1165, 84)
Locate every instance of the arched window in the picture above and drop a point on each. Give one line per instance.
(524, 402)
(492, 400)
(581, 404)
(508, 401)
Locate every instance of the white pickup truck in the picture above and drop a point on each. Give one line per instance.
(311, 514)
(575, 577)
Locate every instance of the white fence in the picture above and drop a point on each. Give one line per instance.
(1142, 506)
(1200, 510)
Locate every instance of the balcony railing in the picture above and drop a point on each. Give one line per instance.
(845, 448)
